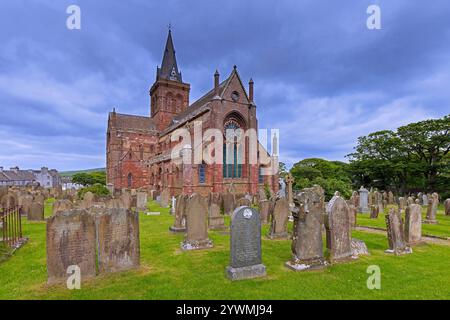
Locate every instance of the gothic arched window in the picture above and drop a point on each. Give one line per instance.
(130, 180)
(232, 155)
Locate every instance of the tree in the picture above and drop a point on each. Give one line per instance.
(89, 179)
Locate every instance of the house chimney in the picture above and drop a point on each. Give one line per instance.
(216, 82)
(250, 90)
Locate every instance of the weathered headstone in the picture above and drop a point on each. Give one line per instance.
(279, 220)
(62, 205)
(374, 211)
(338, 230)
(413, 224)
(243, 202)
(141, 201)
(180, 214)
(391, 198)
(363, 200)
(289, 181)
(215, 218)
(359, 248)
(307, 246)
(396, 237)
(70, 242)
(196, 224)
(401, 203)
(36, 212)
(118, 240)
(126, 200)
(228, 203)
(447, 207)
(262, 194)
(353, 215)
(433, 203)
(25, 202)
(165, 198)
(265, 209)
(425, 200)
(245, 245)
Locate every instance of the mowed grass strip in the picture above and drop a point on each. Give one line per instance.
(166, 272)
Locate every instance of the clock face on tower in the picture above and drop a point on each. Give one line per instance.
(173, 74)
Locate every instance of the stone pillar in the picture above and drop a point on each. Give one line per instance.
(363, 200)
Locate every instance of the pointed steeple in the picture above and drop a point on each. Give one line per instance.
(169, 67)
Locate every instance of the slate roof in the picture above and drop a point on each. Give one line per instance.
(20, 175)
(131, 122)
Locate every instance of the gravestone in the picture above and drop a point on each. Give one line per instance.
(378, 200)
(243, 202)
(25, 202)
(420, 198)
(215, 218)
(62, 205)
(391, 198)
(245, 245)
(279, 220)
(36, 212)
(447, 207)
(228, 203)
(307, 246)
(338, 230)
(39, 198)
(265, 209)
(396, 237)
(88, 199)
(433, 203)
(410, 201)
(262, 194)
(8, 201)
(173, 205)
(359, 248)
(374, 211)
(289, 181)
(196, 224)
(363, 200)
(354, 199)
(425, 200)
(413, 224)
(141, 201)
(180, 214)
(118, 240)
(353, 215)
(70, 242)
(165, 198)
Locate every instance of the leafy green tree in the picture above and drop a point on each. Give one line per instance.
(89, 179)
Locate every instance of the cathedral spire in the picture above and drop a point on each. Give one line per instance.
(169, 67)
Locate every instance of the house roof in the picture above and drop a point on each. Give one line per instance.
(20, 175)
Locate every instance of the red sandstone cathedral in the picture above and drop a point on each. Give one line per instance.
(139, 148)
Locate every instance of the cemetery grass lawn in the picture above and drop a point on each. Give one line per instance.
(168, 273)
(441, 230)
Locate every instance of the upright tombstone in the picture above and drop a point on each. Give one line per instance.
(363, 200)
(228, 203)
(401, 203)
(180, 214)
(374, 211)
(265, 209)
(215, 218)
(36, 212)
(70, 242)
(307, 246)
(338, 230)
(353, 215)
(262, 194)
(141, 201)
(395, 233)
(420, 198)
(410, 201)
(289, 181)
(413, 224)
(196, 224)
(378, 200)
(165, 198)
(245, 245)
(25, 202)
(354, 199)
(391, 198)
(173, 205)
(118, 240)
(433, 203)
(424, 200)
(243, 202)
(279, 220)
(126, 200)
(62, 205)
(447, 207)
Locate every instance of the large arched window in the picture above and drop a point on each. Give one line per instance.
(232, 149)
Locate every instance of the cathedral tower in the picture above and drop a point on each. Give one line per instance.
(169, 95)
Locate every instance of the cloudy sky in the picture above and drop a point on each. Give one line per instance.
(321, 76)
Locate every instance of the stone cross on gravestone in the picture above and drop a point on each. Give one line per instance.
(289, 181)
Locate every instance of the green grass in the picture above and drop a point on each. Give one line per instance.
(441, 230)
(168, 273)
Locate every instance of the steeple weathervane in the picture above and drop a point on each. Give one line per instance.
(169, 68)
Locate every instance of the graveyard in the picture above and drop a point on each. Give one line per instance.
(166, 272)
